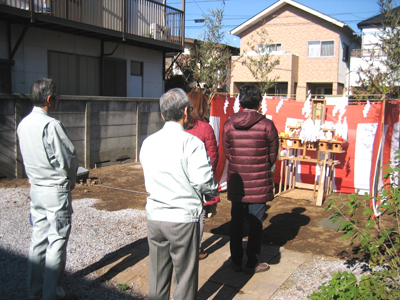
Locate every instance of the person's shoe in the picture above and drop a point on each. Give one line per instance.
(202, 255)
(261, 267)
(235, 267)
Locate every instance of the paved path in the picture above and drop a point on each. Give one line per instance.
(216, 278)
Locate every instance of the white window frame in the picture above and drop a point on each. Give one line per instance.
(318, 48)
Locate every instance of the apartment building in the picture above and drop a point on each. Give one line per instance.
(97, 48)
(370, 53)
(313, 50)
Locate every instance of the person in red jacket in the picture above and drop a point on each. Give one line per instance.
(199, 127)
(250, 142)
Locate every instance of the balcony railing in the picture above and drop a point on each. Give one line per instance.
(366, 52)
(143, 18)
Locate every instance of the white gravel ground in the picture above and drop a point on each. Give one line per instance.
(96, 234)
(312, 274)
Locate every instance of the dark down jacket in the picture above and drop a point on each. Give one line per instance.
(251, 145)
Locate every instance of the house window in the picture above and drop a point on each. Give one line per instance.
(346, 50)
(320, 49)
(75, 74)
(321, 91)
(268, 48)
(136, 68)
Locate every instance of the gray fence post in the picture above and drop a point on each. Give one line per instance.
(19, 167)
(137, 150)
(87, 134)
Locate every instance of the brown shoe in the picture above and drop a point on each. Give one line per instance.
(202, 255)
(261, 267)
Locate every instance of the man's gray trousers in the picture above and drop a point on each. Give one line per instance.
(51, 220)
(173, 245)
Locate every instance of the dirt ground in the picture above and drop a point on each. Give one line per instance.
(292, 220)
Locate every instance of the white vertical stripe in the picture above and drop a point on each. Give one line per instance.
(395, 146)
(363, 154)
(223, 182)
(215, 124)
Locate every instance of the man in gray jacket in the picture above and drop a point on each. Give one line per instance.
(177, 173)
(50, 163)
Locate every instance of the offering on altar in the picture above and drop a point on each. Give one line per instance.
(309, 131)
(314, 133)
(328, 135)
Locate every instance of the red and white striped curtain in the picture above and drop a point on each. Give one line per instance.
(369, 146)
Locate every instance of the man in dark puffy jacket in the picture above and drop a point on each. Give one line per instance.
(251, 145)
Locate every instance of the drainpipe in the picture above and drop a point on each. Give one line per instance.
(123, 20)
(101, 67)
(32, 10)
(183, 24)
(20, 39)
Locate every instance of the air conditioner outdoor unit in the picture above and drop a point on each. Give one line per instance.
(159, 32)
(166, 34)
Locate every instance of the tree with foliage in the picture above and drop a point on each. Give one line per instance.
(381, 76)
(259, 60)
(208, 64)
(176, 81)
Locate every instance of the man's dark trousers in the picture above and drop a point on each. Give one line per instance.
(254, 213)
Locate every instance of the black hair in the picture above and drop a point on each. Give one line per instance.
(250, 96)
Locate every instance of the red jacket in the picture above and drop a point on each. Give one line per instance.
(205, 133)
(251, 145)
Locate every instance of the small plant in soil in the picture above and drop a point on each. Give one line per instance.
(123, 287)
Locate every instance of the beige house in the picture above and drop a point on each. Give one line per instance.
(313, 50)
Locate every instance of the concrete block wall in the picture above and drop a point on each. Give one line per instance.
(102, 129)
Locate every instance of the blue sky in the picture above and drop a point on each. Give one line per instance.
(236, 12)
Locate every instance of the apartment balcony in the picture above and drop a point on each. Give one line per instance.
(363, 59)
(367, 52)
(287, 69)
(142, 23)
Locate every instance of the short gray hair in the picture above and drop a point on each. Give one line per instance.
(41, 89)
(173, 103)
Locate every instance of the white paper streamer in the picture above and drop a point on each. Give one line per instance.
(278, 107)
(264, 104)
(236, 106)
(307, 108)
(226, 104)
(366, 109)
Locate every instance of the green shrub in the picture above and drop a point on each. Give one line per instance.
(379, 241)
(344, 285)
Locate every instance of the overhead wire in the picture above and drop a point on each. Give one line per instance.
(246, 17)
